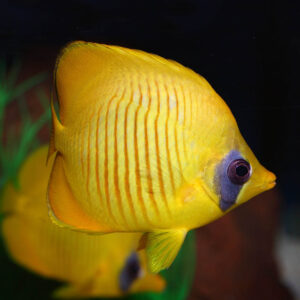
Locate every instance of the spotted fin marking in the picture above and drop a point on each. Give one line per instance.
(162, 248)
(63, 208)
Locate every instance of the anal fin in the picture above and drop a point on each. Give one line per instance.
(162, 248)
(64, 209)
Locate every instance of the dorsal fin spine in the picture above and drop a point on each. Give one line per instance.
(56, 127)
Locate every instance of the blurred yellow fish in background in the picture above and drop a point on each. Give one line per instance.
(144, 144)
(92, 265)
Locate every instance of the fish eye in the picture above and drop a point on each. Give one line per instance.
(239, 171)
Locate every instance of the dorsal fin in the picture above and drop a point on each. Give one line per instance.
(87, 72)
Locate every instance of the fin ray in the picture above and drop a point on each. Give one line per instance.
(162, 248)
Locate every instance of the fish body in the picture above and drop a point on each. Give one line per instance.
(144, 144)
(92, 265)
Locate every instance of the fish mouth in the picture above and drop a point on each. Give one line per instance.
(271, 184)
(269, 180)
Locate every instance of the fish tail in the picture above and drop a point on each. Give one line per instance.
(56, 126)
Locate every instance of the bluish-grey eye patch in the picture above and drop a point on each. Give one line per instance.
(227, 190)
(130, 272)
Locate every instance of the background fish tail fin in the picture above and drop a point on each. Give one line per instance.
(162, 248)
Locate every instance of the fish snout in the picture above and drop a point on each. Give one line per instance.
(260, 181)
(265, 179)
(270, 180)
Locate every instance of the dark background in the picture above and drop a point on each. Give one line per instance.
(248, 50)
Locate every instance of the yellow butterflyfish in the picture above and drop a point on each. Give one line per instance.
(144, 144)
(91, 265)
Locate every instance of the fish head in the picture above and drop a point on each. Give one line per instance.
(258, 179)
(230, 174)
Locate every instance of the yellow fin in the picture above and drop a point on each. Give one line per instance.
(162, 248)
(87, 72)
(64, 209)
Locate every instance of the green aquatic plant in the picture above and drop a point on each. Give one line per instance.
(15, 147)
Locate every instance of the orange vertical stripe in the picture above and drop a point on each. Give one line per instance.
(160, 179)
(184, 121)
(97, 155)
(167, 140)
(88, 162)
(150, 186)
(116, 169)
(127, 189)
(137, 165)
(106, 163)
(184, 105)
(175, 133)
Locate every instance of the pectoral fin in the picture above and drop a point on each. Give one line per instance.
(162, 248)
(65, 211)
